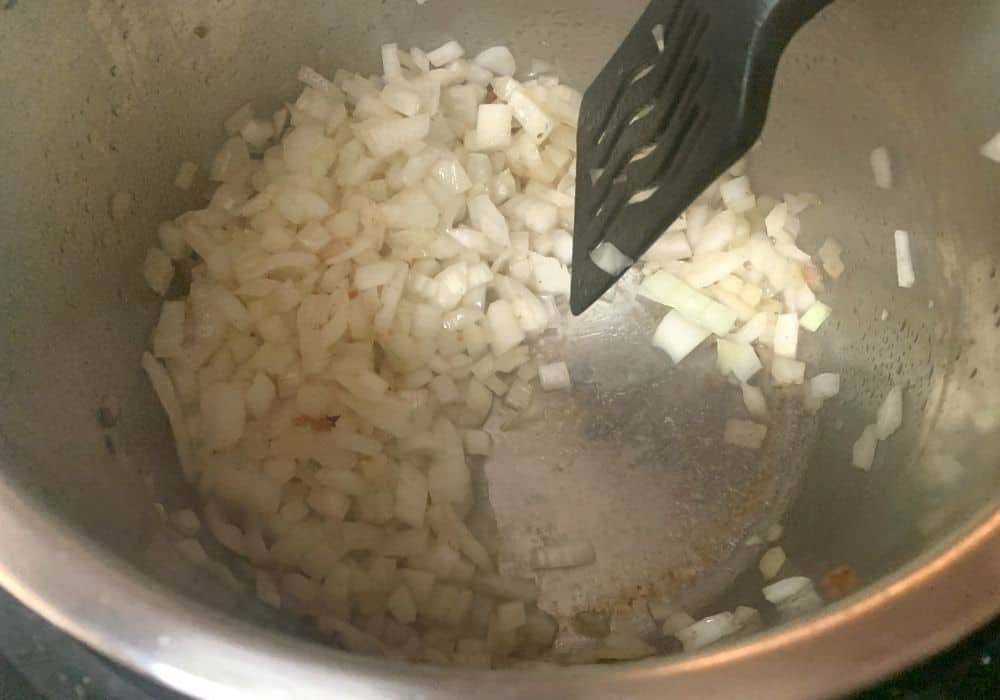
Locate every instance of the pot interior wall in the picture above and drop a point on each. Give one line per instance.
(112, 96)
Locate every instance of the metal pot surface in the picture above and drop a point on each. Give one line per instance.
(105, 97)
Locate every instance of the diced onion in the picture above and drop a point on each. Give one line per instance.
(609, 259)
(670, 246)
(666, 289)
(815, 316)
(158, 270)
(563, 556)
(185, 175)
(498, 60)
(707, 631)
(882, 168)
(740, 359)
(493, 127)
(890, 414)
(904, 260)
(478, 442)
(446, 53)
(505, 330)
(771, 562)
(991, 149)
(787, 371)
(786, 335)
(786, 589)
(554, 376)
(863, 452)
(756, 404)
(677, 336)
(820, 388)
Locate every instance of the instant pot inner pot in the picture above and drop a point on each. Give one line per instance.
(108, 97)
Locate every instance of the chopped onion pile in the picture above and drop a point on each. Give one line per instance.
(731, 268)
(366, 281)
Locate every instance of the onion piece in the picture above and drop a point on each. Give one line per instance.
(815, 316)
(502, 587)
(752, 330)
(168, 337)
(609, 259)
(554, 376)
(373, 275)
(498, 60)
(991, 149)
(667, 289)
(904, 260)
(446, 53)
(675, 622)
(863, 452)
(563, 556)
(707, 631)
(881, 168)
(890, 414)
(786, 335)
(787, 371)
(485, 217)
(185, 175)
(383, 137)
(771, 562)
(223, 415)
(493, 127)
(705, 270)
(819, 389)
(506, 333)
(669, 247)
(164, 389)
(677, 336)
(478, 442)
(756, 404)
(532, 118)
(738, 359)
(158, 269)
(786, 589)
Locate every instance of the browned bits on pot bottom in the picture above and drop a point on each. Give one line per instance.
(317, 424)
(840, 581)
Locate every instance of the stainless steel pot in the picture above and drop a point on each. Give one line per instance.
(111, 96)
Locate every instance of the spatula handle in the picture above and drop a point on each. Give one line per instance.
(777, 21)
(780, 19)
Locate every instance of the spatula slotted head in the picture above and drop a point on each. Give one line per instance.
(680, 101)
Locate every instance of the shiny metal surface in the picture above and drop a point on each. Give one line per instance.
(111, 96)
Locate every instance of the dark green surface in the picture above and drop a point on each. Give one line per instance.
(969, 670)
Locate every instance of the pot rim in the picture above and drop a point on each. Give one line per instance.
(120, 612)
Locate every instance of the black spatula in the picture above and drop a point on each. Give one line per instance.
(681, 100)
